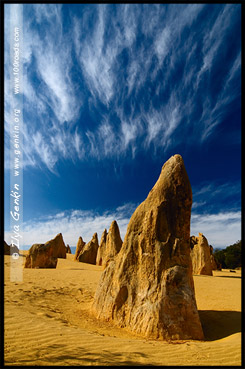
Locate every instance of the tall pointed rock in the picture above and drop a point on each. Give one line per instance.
(113, 242)
(148, 288)
(89, 252)
(200, 255)
(100, 259)
(79, 248)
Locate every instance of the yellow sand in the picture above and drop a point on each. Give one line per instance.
(47, 322)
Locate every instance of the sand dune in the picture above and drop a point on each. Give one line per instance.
(47, 322)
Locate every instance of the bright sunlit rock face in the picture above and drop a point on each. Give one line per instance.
(102, 249)
(79, 248)
(148, 287)
(89, 252)
(46, 255)
(201, 255)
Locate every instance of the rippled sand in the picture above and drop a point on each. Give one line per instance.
(47, 322)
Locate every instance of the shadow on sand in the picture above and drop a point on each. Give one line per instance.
(63, 355)
(219, 324)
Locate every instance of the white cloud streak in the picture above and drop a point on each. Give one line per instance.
(52, 52)
(73, 224)
(52, 106)
(221, 230)
(121, 54)
(210, 190)
(44, 151)
(96, 58)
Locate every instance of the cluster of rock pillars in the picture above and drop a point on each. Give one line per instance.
(147, 281)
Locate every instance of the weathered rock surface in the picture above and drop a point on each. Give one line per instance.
(200, 255)
(113, 243)
(79, 248)
(89, 252)
(214, 263)
(148, 287)
(46, 255)
(100, 259)
(68, 249)
(9, 250)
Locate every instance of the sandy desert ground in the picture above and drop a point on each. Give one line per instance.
(47, 322)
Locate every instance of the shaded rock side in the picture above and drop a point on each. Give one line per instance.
(100, 259)
(113, 243)
(89, 253)
(200, 255)
(68, 249)
(79, 248)
(148, 288)
(46, 255)
(10, 250)
(214, 263)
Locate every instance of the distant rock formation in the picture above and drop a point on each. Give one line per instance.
(214, 263)
(200, 255)
(46, 255)
(79, 248)
(113, 243)
(110, 245)
(100, 259)
(89, 252)
(148, 288)
(10, 250)
(68, 249)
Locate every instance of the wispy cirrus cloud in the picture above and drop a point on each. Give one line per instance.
(221, 229)
(96, 57)
(207, 197)
(73, 224)
(149, 73)
(51, 99)
(213, 189)
(44, 50)
(160, 123)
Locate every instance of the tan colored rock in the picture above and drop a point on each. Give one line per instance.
(214, 263)
(113, 243)
(148, 287)
(89, 252)
(79, 248)
(102, 249)
(68, 249)
(200, 255)
(46, 255)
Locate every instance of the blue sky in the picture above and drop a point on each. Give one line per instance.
(110, 93)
